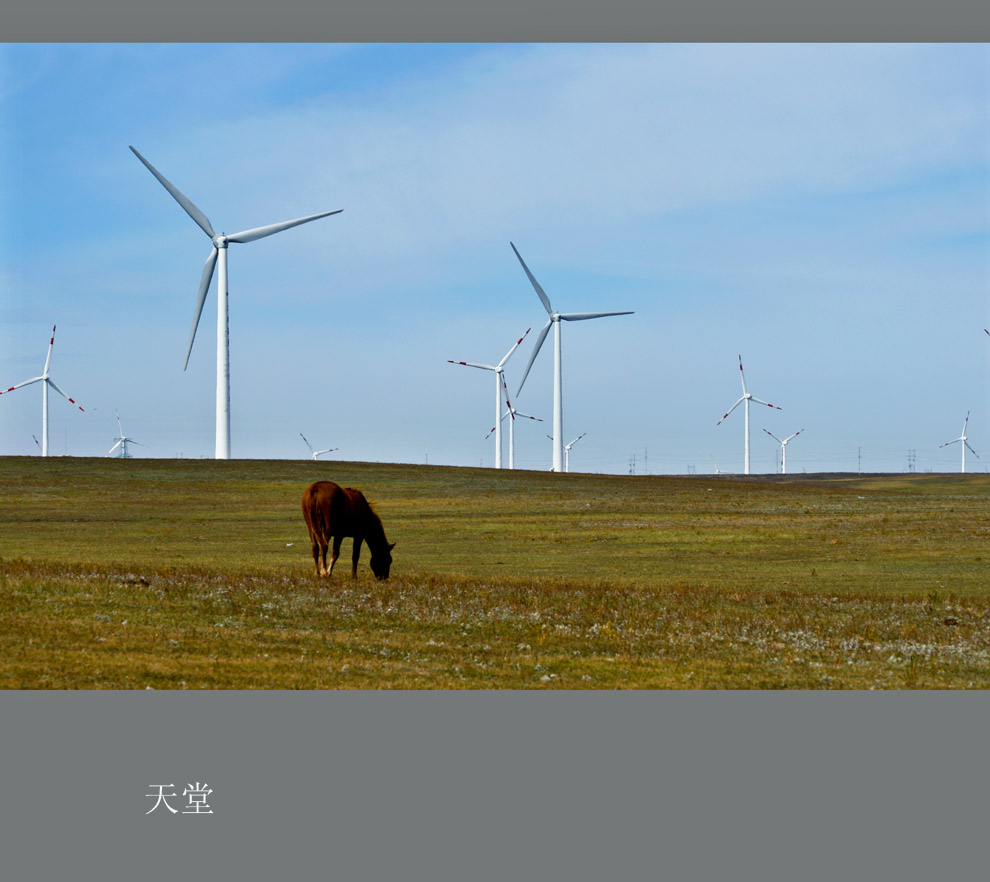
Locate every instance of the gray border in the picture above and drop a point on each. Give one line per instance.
(496, 785)
(478, 786)
(506, 21)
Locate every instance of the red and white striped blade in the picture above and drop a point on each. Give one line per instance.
(514, 348)
(484, 367)
(726, 414)
(508, 403)
(775, 438)
(761, 401)
(742, 375)
(25, 383)
(53, 384)
(48, 360)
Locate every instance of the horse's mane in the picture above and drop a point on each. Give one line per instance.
(375, 520)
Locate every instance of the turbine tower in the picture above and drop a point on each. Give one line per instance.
(746, 397)
(962, 440)
(555, 319)
(122, 442)
(499, 383)
(783, 448)
(511, 413)
(46, 381)
(316, 453)
(218, 255)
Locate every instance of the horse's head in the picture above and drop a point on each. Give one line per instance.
(382, 561)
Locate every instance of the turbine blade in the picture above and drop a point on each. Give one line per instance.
(775, 438)
(48, 359)
(582, 316)
(204, 287)
(514, 348)
(536, 285)
(947, 443)
(972, 451)
(112, 449)
(511, 410)
(742, 375)
(119, 426)
(734, 406)
(520, 413)
(53, 384)
(761, 401)
(190, 209)
(536, 349)
(328, 450)
(485, 367)
(261, 232)
(575, 441)
(310, 446)
(24, 383)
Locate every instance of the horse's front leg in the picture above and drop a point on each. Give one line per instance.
(355, 555)
(335, 554)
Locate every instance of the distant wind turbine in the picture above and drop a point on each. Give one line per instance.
(718, 471)
(46, 381)
(317, 453)
(218, 255)
(746, 398)
(123, 441)
(964, 442)
(567, 451)
(511, 413)
(555, 319)
(499, 383)
(783, 448)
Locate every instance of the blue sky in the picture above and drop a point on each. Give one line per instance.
(822, 210)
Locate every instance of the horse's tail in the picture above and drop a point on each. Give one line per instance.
(313, 513)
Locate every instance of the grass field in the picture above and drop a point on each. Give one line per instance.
(174, 574)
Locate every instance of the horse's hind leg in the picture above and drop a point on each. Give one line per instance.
(336, 553)
(316, 555)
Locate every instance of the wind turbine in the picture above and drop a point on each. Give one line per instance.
(46, 381)
(718, 471)
(218, 255)
(555, 319)
(511, 413)
(746, 397)
(567, 451)
(123, 441)
(316, 453)
(962, 440)
(783, 448)
(499, 383)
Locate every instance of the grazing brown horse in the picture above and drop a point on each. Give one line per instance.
(331, 510)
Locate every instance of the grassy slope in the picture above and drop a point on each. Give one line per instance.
(501, 579)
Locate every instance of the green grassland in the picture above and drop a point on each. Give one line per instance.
(130, 574)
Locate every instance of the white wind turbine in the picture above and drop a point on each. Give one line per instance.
(46, 381)
(964, 442)
(567, 450)
(218, 255)
(122, 442)
(499, 383)
(317, 453)
(555, 319)
(511, 413)
(783, 448)
(746, 397)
